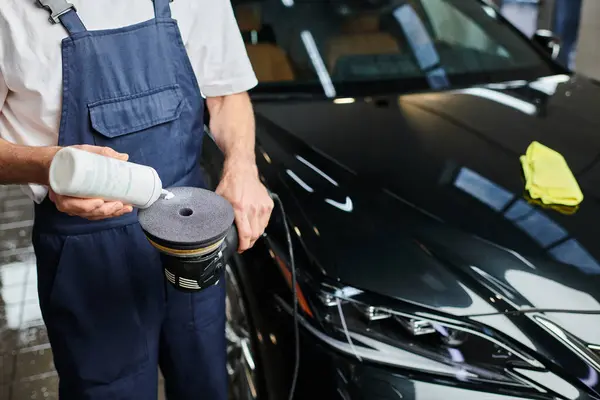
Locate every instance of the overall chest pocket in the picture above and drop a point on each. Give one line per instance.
(139, 124)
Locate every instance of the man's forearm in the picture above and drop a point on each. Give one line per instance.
(24, 164)
(232, 126)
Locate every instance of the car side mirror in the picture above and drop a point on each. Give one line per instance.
(548, 41)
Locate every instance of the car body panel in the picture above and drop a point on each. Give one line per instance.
(409, 200)
(325, 373)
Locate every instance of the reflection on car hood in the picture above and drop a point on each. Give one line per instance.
(420, 197)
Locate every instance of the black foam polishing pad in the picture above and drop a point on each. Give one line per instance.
(193, 219)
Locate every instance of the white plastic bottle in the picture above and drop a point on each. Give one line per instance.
(79, 173)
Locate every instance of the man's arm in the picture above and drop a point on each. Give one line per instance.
(225, 74)
(27, 164)
(24, 164)
(21, 164)
(232, 126)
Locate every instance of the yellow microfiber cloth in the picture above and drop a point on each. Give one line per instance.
(566, 210)
(548, 177)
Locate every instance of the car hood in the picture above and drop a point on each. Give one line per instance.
(421, 197)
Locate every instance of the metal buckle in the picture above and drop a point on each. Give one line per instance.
(57, 8)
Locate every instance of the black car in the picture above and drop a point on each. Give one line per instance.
(392, 131)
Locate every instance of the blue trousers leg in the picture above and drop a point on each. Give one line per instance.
(111, 316)
(193, 347)
(567, 15)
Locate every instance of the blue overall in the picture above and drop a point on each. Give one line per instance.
(111, 316)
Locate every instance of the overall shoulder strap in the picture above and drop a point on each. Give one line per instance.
(162, 8)
(63, 12)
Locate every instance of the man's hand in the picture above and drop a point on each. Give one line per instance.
(232, 125)
(92, 209)
(251, 202)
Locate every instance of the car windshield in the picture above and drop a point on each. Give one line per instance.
(335, 46)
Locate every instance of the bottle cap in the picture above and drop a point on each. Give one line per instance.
(165, 194)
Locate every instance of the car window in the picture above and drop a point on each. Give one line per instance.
(455, 28)
(400, 44)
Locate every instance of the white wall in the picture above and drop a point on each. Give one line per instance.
(587, 61)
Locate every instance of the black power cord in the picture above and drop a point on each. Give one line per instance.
(276, 199)
(232, 241)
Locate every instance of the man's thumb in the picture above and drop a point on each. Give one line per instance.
(108, 152)
(103, 151)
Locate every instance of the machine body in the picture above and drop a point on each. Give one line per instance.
(195, 234)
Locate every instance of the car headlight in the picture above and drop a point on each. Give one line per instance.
(351, 321)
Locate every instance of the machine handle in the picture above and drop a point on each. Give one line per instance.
(232, 242)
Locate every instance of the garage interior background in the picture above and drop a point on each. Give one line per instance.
(529, 15)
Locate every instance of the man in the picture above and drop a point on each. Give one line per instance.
(567, 15)
(123, 78)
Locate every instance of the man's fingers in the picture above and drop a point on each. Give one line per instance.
(107, 151)
(265, 214)
(52, 195)
(257, 229)
(125, 210)
(73, 205)
(106, 210)
(244, 231)
(92, 209)
(252, 205)
(122, 211)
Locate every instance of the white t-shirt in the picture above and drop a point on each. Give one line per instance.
(30, 59)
